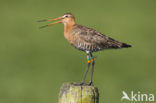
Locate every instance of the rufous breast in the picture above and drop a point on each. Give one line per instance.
(68, 32)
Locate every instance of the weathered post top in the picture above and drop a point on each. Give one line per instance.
(73, 93)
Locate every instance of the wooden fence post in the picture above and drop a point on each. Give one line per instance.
(72, 93)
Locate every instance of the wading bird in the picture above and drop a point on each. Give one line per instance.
(85, 39)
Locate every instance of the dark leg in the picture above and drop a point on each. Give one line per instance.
(92, 71)
(89, 61)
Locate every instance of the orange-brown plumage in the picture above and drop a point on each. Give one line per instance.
(86, 39)
(67, 32)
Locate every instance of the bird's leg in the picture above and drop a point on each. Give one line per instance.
(92, 71)
(89, 61)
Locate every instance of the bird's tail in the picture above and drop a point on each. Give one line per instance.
(124, 45)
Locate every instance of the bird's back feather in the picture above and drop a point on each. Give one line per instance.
(91, 40)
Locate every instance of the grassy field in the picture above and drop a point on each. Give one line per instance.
(35, 62)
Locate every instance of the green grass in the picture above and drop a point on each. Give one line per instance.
(35, 62)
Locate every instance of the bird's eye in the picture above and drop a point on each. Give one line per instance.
(66, 16)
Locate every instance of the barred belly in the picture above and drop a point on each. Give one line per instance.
(86, 47)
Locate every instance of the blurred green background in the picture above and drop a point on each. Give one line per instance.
(35, 62)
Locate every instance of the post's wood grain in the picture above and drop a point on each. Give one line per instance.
(74, 93)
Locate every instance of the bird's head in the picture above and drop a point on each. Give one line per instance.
(67, 18)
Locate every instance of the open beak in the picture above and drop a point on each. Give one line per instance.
(50, 23)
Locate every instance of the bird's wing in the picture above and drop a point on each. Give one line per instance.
(91, 36)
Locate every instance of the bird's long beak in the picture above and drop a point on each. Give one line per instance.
(50, 23)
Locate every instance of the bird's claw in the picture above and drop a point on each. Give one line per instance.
(79, 84)
(83, 84)
(90, 83)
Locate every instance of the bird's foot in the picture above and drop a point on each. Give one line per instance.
(83, 84)
(90, 83)
(79, 84)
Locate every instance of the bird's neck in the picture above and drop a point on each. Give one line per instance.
(68, 26)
